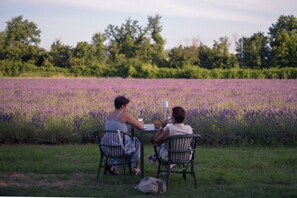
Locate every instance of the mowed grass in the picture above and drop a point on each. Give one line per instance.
(70, 170)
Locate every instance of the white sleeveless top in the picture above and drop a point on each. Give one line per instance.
(174, 129)
(179, 129)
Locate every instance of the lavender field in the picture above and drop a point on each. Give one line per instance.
(67, 110)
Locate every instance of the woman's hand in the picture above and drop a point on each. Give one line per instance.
(164, 123)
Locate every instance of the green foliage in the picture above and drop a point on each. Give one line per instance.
(87, 71)
(134, 50)
(19, 40)
(283, 41)
(133, 41)
(134, 68)
(2, 48)
(205, 56)
(98, 40)
(253, 52)
(221, 54)
(21, 31)
(13, 68)
(60, 54)
(11, 133)
(84, 52)
(180, 57)
(155, 28)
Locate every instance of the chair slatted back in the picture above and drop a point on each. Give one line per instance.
(181, 148)
(110, 147)
(181, 152)
(109, 143)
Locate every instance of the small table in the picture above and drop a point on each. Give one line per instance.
(149, 128)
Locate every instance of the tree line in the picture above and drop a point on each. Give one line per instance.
(131, 47)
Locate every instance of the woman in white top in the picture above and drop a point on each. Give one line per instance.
(176, 128)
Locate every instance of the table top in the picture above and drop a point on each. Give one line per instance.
(149, 127)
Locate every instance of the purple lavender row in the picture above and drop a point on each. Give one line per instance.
(79, 105)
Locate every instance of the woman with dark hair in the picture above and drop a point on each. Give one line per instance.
(119, 119)
(177, 127)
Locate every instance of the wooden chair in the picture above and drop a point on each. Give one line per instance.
(110, 147)
(181, 156)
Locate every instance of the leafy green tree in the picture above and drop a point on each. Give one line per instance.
(133, 41)
(176, 57)
(222, 58)
(155, 28)
(283, 41)
(43, 58)
(205, 56)
(253, 52)
(122, 40)
(21, 38)
(85, 52)
(182, 56)
(60, 54)
(2, 48)
(98, 40)
(145, 51)
(23, 31)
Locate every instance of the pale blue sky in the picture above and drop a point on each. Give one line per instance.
(183, 21)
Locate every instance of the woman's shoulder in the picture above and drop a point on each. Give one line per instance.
(188, 128)
(182, 127)
(126, 117)
(124, 114)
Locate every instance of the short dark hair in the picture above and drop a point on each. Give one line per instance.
(179, 114)
(119, 101)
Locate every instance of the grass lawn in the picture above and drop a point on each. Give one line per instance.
(70, 170)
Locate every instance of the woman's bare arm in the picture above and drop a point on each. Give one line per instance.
(161, 135)
(128, 118)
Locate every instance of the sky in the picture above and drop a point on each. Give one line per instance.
(184, 22)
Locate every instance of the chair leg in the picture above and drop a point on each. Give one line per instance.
(98, 171)
(99, 167)
(167, 174)
(105, 165)
(130, 165)
(184, 172)
(193, 174)
(127, 162)
(124, 169)
(158, 173)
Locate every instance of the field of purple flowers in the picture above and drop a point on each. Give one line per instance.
(67, 110)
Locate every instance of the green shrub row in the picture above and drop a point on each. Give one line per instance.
(200, 73)
(19, 69)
